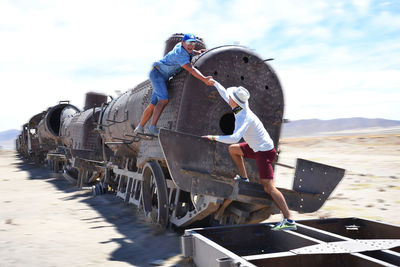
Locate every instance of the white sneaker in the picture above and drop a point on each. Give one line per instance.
(139, 129)
(238, 178)
(153, 130)
(285, 225)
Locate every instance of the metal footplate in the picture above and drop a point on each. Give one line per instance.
(322, 242)
(349, 246)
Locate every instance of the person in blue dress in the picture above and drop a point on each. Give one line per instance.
(179, 57)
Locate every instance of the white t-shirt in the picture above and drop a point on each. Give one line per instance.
(248, 126)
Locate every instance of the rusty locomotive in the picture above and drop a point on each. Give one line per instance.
(177, 178)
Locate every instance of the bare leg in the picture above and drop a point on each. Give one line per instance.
(147, 113)
(277, 196)
(158, 110)
(237, 157)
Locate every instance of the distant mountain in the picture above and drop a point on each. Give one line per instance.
(7, 139)
(297, 128)
(319, 127)
(9, 134)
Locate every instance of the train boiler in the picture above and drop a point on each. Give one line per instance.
(180, 178)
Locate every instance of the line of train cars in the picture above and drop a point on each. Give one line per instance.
(177, 178)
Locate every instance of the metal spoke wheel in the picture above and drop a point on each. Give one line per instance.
(154, 193)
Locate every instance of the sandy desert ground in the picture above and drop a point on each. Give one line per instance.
(45, 221)
(371, 186)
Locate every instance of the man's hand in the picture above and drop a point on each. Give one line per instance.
(196, 73)
(209, 137)
(209, 81)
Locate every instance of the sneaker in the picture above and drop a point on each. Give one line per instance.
(285, 225)
(238, 178)
(139, 130)
(153, 130)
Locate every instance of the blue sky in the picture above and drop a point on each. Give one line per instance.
(335, 59)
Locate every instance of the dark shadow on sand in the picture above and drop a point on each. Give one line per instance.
(142, 244)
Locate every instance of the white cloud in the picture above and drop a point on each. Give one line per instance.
(387, 21)
(362, 5)
(61, 49)
(338, 93)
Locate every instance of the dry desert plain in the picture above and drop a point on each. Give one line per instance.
(45, 221)
(371, 186)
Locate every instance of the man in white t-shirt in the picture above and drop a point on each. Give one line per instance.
(258, 145)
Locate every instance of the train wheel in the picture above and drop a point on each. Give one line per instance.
(154, 193)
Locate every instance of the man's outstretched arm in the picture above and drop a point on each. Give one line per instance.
(221, 91)
(196, 73)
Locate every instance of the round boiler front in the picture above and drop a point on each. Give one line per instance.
(49, 127)
(56, 115)
(202, 109)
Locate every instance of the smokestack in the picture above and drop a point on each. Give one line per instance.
(94, 100)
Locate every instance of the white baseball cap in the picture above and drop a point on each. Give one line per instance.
(240, 95)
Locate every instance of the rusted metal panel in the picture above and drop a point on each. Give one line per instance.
(175, 149)
(317, 178)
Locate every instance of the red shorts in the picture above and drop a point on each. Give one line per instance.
(264, 160)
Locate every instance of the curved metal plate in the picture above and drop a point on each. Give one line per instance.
(175, 147)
